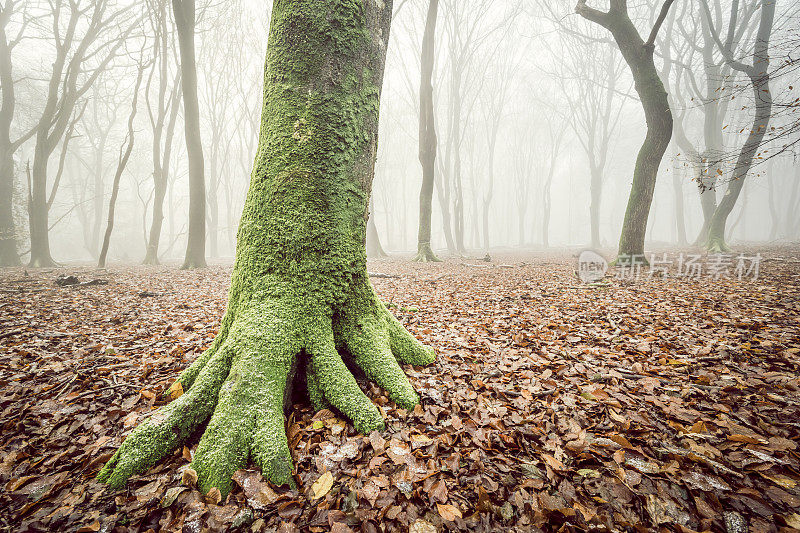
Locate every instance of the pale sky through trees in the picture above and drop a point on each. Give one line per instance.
(522, 64)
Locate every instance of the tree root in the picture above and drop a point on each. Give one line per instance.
(425, 254)
(242, 385)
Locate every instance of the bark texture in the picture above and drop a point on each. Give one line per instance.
(300, 296)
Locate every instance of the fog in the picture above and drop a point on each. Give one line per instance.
(549, 115)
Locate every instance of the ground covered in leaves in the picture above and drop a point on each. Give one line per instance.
(623, 405)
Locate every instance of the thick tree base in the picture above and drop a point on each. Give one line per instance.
(425, 254)
(244, 382)
(42, 263)
(717, 245)
(192, 264)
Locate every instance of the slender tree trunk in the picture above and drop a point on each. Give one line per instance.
(774, 211)
(38, 215)
(791, 218)
(458, 189)
(427, 137)
(299, 287)
(374, 248)
(638, 55)
(161, 173)
(98, 191)
(596, 191)
(8, 231)
(184, 11)
(680, 215)
(123, 162)
(759, 78)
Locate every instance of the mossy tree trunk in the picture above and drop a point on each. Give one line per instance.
(638, 54)
(758, 73)
(300, 298)
(427, 137)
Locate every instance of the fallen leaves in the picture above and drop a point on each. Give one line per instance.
(660, 403)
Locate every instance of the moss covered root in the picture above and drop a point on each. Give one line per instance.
(242, 388)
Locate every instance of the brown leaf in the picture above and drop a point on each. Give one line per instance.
(189, 478)
(322, 486)
(213, 496)
(448, 512)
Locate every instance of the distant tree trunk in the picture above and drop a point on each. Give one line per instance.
(680, 216)
(596, 190)
(374, 248)
(427, 137)
(774, 211)
(638, 55)
(759, 76)
(161, 173)
(791, 220)
(458, 189)
(184, 11)
(123, 162)
(8, 233)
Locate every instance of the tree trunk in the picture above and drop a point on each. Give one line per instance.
(8, 232)
(638, 55)
(161, 176)
(374, 248)
(680, 215)
(123, 162)
(427, 137)
(596, 190)
(759, 79)
(98, 192)
(184, 11)
(790, 218)
(38, 212)
(299, 288)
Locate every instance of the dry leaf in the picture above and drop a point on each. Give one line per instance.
(175, 390)
(214, 496)
(323, 485)
(448, 512)
(189, 478)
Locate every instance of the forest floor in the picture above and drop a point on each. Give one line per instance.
(627, 404)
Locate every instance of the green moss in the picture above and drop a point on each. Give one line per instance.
(299, 286)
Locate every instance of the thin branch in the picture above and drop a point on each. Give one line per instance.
(650, 44)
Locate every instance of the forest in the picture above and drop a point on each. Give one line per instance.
(399, 265)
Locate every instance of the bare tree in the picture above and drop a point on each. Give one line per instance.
(80, 58)
(124, 155)
(590, 75)
(759, 76)
(163, 114)
(8, 146)
(427, 136)
(185, 19)
(638, 53)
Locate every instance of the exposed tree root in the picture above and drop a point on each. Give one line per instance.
(243, 383)
(717, 245)
(425, 254)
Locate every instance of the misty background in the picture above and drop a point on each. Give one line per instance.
(537, 119)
